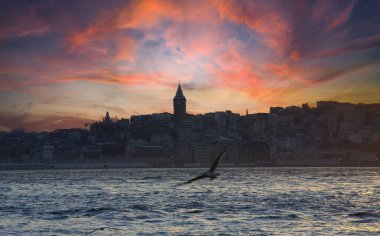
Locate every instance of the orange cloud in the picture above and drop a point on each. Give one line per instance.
(138, 14)
(100, 77)
(112, 77)
(234, 71)
(275, 30)
(187, 18)
(295, 55)
(147, 13)
(281, 70)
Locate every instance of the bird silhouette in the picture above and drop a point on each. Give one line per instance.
(211, 172)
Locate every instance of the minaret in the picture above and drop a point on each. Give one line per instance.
(179, 104)
(107, 119)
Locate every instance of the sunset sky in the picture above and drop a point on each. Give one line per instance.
(64, 63)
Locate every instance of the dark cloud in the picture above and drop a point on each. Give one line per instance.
(335, 72)
(361, 44)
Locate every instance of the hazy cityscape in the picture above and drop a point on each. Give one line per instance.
(330, 134)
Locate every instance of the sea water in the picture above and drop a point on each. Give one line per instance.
(241, 201)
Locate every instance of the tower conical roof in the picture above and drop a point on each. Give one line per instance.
(179, 92)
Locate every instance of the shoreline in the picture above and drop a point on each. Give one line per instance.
(141, 165)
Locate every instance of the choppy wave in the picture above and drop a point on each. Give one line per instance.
(248, 201)
(365, 214)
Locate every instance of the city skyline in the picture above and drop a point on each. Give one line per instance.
(64, 64)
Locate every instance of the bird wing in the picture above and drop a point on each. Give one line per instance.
(217, 161)
(194, 179)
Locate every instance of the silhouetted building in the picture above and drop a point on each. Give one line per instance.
(332, 134)
(109, 130)
(179, 104)
(107, 119)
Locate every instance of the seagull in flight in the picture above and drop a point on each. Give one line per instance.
(210, 173)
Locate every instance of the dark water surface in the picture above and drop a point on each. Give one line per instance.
(242, 201)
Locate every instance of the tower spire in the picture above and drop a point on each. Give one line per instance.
(179, 92)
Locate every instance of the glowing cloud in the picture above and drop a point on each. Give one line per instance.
(68, 56)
